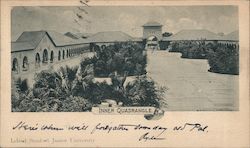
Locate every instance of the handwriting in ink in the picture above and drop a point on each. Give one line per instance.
(78, 128)
(191, 127)
(109, 128)
(24, 126)
(147, 137)
(51, 127)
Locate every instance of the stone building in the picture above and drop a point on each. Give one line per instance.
(106, 38)
(152, 33)
(37, 49)
(231, 39)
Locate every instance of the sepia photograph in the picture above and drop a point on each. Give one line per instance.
(95, 73)
(173, 58)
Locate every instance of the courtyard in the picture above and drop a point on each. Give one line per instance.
(189, 84)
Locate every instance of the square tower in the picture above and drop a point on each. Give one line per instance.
(152, 29)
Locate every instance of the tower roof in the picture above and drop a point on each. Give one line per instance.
(152, 24)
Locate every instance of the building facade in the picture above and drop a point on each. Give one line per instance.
(38, 49)
(152, 29)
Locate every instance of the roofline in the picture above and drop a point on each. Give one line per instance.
(152, 25)
(114, 41)
(21, 50)
(41, 40)
(27, 41)
(203, 40)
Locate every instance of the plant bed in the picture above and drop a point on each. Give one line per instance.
(123, 58)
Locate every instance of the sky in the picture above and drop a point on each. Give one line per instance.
(128, 19)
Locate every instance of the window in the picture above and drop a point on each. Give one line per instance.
(37, 58)
(25, 63)
(51, 56)
(63, 54)
(45, 56)
(59, 55)
(15, 65)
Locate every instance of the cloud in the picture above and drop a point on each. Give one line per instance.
(129, 23)
(126, 19)
(174, 26)
(187, 23)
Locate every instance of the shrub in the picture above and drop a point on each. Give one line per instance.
(194, 50)
(224, 59)
(120, 57)
(22, 85)
(143, 92)
(174, 47)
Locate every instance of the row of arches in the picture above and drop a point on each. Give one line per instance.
(63, 54)
(45, 57)
(25, 64)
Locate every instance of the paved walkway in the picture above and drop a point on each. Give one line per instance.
(190, 86)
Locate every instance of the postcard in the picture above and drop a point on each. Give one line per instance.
(88, 73)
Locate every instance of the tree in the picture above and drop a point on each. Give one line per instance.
(143, 92)
(167, 34)
(224, 59)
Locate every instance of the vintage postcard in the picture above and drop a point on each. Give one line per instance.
(124, 74)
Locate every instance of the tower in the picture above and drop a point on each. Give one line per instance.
(152, 29)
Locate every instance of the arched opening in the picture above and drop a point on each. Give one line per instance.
(51, 56)
(45, 56)
(92, 46)
(59, 55)
(152, 43)
(37, 59)
(103, 47)
(15, 65)
(63, 54)
(25, 63)
(67, 53)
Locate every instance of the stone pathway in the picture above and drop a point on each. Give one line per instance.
(190, 86)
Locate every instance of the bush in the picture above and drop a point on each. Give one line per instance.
(143, 92)
(120, 57)
(224, 59)
(194, 50)
(174, 47)
(22, 85)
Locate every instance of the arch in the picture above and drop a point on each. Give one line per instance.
(152, 38)
(15, 65)
(59, 55)
(152, 42)
(38, 58)
(25, 63)
(45, 56)
(51, 56)
(103, 47)
(63, 54)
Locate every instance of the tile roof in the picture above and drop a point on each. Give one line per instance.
(151, 23)
(22, 46)
(29, 40)
(193, 35)
(111, 36)
(61, 40)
